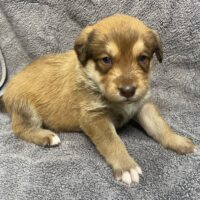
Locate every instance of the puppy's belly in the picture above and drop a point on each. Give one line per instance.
(58, 118)
(61, 124)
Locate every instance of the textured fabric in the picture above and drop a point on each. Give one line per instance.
(75, 170)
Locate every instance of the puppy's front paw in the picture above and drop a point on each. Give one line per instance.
(128, 176)
(50, 140)
(128, 171)
(181, 145)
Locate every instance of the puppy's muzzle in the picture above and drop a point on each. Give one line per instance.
(127, 91)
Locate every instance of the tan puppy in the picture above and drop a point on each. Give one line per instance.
(96, 88)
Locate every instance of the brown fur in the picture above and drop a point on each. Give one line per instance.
(77, 91)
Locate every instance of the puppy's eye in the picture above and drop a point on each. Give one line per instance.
(142, 58)
(107, 60)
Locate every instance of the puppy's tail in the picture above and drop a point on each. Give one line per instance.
(2, 106)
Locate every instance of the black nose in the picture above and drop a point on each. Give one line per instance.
(127, 91)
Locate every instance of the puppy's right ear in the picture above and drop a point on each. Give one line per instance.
(158, 46)
(81, 44)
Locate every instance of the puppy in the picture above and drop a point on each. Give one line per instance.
(95, 88)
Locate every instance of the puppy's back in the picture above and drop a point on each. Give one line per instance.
(45, 76)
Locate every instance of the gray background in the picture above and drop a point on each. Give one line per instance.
(74, 170)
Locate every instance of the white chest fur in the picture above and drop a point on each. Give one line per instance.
(128, 111)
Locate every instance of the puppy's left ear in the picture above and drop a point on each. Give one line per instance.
(158, 48)
(81, 44)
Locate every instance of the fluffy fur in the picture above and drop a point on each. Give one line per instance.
(79, 90)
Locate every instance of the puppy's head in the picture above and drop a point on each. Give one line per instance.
(116, 54)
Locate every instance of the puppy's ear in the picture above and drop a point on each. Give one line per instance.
(81, 44)
(158, 49)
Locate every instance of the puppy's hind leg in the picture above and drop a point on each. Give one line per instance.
(26, 124)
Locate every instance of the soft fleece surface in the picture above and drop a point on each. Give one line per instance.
(74, 170)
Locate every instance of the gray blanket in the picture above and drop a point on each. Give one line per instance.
(75, 170)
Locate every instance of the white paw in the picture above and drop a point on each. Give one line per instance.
(131, 176)
(55, 140)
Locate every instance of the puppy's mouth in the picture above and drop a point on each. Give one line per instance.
(131, 100)
(118, 98)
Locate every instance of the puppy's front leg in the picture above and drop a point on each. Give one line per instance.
(103, 134)
(150, 119)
